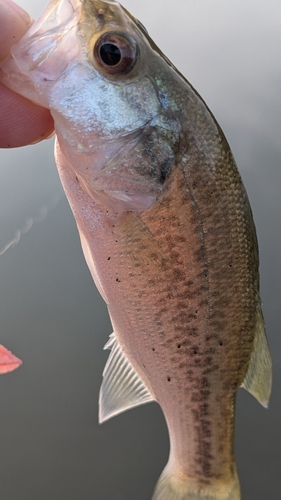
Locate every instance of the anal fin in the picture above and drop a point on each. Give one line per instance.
(121, 388)
(258, 379)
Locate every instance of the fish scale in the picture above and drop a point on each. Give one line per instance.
(166, 229)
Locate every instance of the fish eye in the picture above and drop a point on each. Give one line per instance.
(116, 53)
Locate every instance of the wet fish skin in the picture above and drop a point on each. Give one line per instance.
(168, 234)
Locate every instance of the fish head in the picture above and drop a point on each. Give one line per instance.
(109, 90)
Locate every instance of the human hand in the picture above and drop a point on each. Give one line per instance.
(21, 121)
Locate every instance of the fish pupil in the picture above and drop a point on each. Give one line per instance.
(115, 54)
(110, 54)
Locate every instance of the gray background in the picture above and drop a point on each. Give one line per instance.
(51, 315)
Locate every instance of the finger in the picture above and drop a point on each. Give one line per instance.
(21, 121)
(14, 23)
(8, 361)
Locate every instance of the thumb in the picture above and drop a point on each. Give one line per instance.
(21, 121)
(14, 22)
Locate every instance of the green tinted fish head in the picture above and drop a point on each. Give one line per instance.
(115, 99)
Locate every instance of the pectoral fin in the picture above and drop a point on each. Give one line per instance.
(121, 388)
(259, 375)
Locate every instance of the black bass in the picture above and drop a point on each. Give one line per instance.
(166, 229)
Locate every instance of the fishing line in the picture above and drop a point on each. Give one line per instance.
(30, 221)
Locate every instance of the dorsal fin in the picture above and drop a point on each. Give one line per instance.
(258, 379)
(121, 388)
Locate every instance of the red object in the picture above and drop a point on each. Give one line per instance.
(8, 361)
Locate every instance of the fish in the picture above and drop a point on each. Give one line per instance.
(166, 229)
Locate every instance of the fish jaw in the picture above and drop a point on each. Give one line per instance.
(44, 52)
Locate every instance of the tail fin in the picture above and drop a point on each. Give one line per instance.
(173, 486)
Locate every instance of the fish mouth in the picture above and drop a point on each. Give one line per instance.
(45, 52)
(51, 46)
(52, 32)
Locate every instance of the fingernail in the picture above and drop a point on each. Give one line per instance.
(18, 10)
